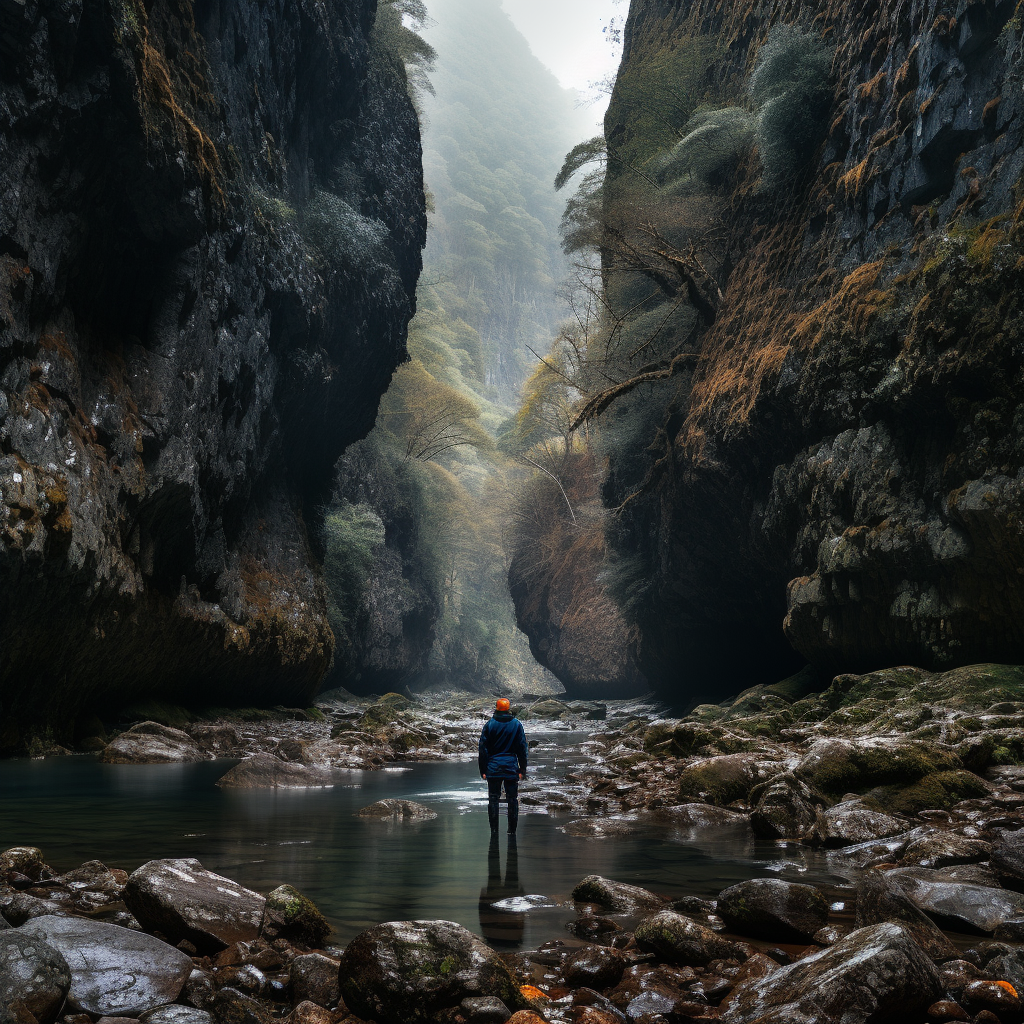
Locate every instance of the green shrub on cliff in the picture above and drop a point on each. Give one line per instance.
(351, 535)
(341, 236)
(791, 89)
(713, 142)
(396, 35)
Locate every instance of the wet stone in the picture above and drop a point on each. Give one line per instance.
(946, 1010)
(594, 967)
(679, 940)
(484, 1010)
(398, 810)
(998, 997)
(182, 900)
(176, 1015)
(769, 908)
(34, 979)
(289, 915)
(233, 1007)
(615, 895)
(315, 978)
(114, 971)
(264, 771)
(152, 743)
(880, 899)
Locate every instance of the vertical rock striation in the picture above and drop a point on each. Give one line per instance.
(211, 219)
(840, 475)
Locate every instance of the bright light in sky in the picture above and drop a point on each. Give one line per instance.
(567, 36)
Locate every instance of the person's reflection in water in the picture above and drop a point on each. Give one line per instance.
(502, 927)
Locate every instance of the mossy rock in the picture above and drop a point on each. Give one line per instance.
(404, 972)
(835, 767)
(290, 915)
(720, 780)
(936, 792)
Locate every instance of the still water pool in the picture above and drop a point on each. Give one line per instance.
(360, 871)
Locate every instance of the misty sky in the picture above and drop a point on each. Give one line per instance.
(566, 36)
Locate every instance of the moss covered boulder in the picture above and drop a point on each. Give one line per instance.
(404, 972)
(614, 895)
(723, 780)
(290, 915)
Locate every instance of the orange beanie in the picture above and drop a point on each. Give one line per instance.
(503, 704)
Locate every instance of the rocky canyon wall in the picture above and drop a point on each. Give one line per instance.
(837, 469)
(211, 223)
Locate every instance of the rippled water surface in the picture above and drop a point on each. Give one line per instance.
(362, 871)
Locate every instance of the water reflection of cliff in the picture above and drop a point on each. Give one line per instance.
(498, 926)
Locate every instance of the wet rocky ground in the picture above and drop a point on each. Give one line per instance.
(908, 784)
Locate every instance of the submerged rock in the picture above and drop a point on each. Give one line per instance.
(402, 810)
(615, 895)
(114, 971)
(402, 972)
(679, 940)
(182, 900)
(152, 743)
(875, 973)
(264, 771)
(34, 979)
(769, 908)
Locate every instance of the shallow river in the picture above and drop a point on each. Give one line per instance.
(361, 871)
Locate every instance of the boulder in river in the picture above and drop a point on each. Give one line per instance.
(851, 822)
(594, 967)
(700, 817)
(956, 905)
(26, 860)
(615, 895)
(403, 972)
(290, 915)
(152, 743)
(34, 979)
(264, 771)
(875, 973)
(679, 940)
(945, 849)
(114, 971)
(769, 908)
(783, 808)
(880, 899)
(398, 810)
(182, 900)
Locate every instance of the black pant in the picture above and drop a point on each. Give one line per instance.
(494, 794)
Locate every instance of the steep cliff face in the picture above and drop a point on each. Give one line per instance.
(210, 236)
(838, 472)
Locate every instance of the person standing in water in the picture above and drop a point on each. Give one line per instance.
(502, 761)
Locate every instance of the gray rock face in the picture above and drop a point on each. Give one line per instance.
(195, 323)
(182, 900)
(152, 743)
(264, 771)
(19, 907)
(114, 971)
(850, 822)
(402, 972)
(769, 908)
(34, 979)
(679, 940)
(876, 973)
(956, 905)
(615, 895)
(880, 899)
(400, 810)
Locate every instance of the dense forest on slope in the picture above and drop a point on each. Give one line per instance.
(415, 553)
(803, 371)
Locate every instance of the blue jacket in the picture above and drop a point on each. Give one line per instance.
(503, 749)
